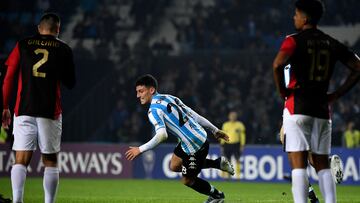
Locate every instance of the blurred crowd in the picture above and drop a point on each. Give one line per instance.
(19, 18)
(226, 52)
(251, 25)
(215, 85)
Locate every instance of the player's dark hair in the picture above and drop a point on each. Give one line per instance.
(50, 21)
(313, 9)
(147, 80)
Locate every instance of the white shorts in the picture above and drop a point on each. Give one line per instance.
(30, 131)
(306, 133)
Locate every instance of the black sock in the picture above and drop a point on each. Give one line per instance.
(204, 187)
(201, 186)
(209, 163)
(312, 195)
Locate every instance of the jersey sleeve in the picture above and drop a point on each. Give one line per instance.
(12, 64)
(288, 46)
(14, 57)
(200, 119)
(159, 137)
(156, 118)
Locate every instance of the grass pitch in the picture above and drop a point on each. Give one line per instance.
(163, 191)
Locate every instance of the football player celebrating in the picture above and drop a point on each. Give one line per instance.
(169, 113)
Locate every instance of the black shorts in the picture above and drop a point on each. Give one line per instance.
(232, 149)
(192, 164)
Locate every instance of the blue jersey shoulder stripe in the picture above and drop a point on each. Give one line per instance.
(159, 121)
(168, 99)
(157, 106)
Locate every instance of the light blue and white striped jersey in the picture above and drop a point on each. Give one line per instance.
(167, 111)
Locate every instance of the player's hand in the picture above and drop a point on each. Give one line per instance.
(6, 118)
(132, 153)
(282, 135)
(221, 135)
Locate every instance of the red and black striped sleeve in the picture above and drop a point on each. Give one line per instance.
(12, 64)
(288, 46)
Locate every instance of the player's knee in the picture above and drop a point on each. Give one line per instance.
(23, 157)
(175, 167)
(319, 167)
(49, 160)
(320, 162)
(188, 181)
(22, 162)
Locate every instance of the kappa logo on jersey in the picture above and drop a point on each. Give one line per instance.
(192, 165)
(192, 159)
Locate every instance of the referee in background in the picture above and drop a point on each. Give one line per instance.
(237, 138)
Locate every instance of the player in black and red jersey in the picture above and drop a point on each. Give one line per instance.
(336, 167)
(40, 64)
(311, 56)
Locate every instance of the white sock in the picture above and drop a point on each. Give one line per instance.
(18, 177)
(50, 183)
(327, 185)
(300, 184)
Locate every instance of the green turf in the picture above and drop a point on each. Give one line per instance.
(159, 191)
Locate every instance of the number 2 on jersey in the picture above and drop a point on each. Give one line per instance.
(37, 65)
(182, 116)
(319, 60)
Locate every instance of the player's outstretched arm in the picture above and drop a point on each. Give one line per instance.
(132, 153)
(218, 134)
(203, 121)
(159, 137)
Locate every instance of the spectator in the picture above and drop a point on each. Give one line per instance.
(351, 137)
(162, 48)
